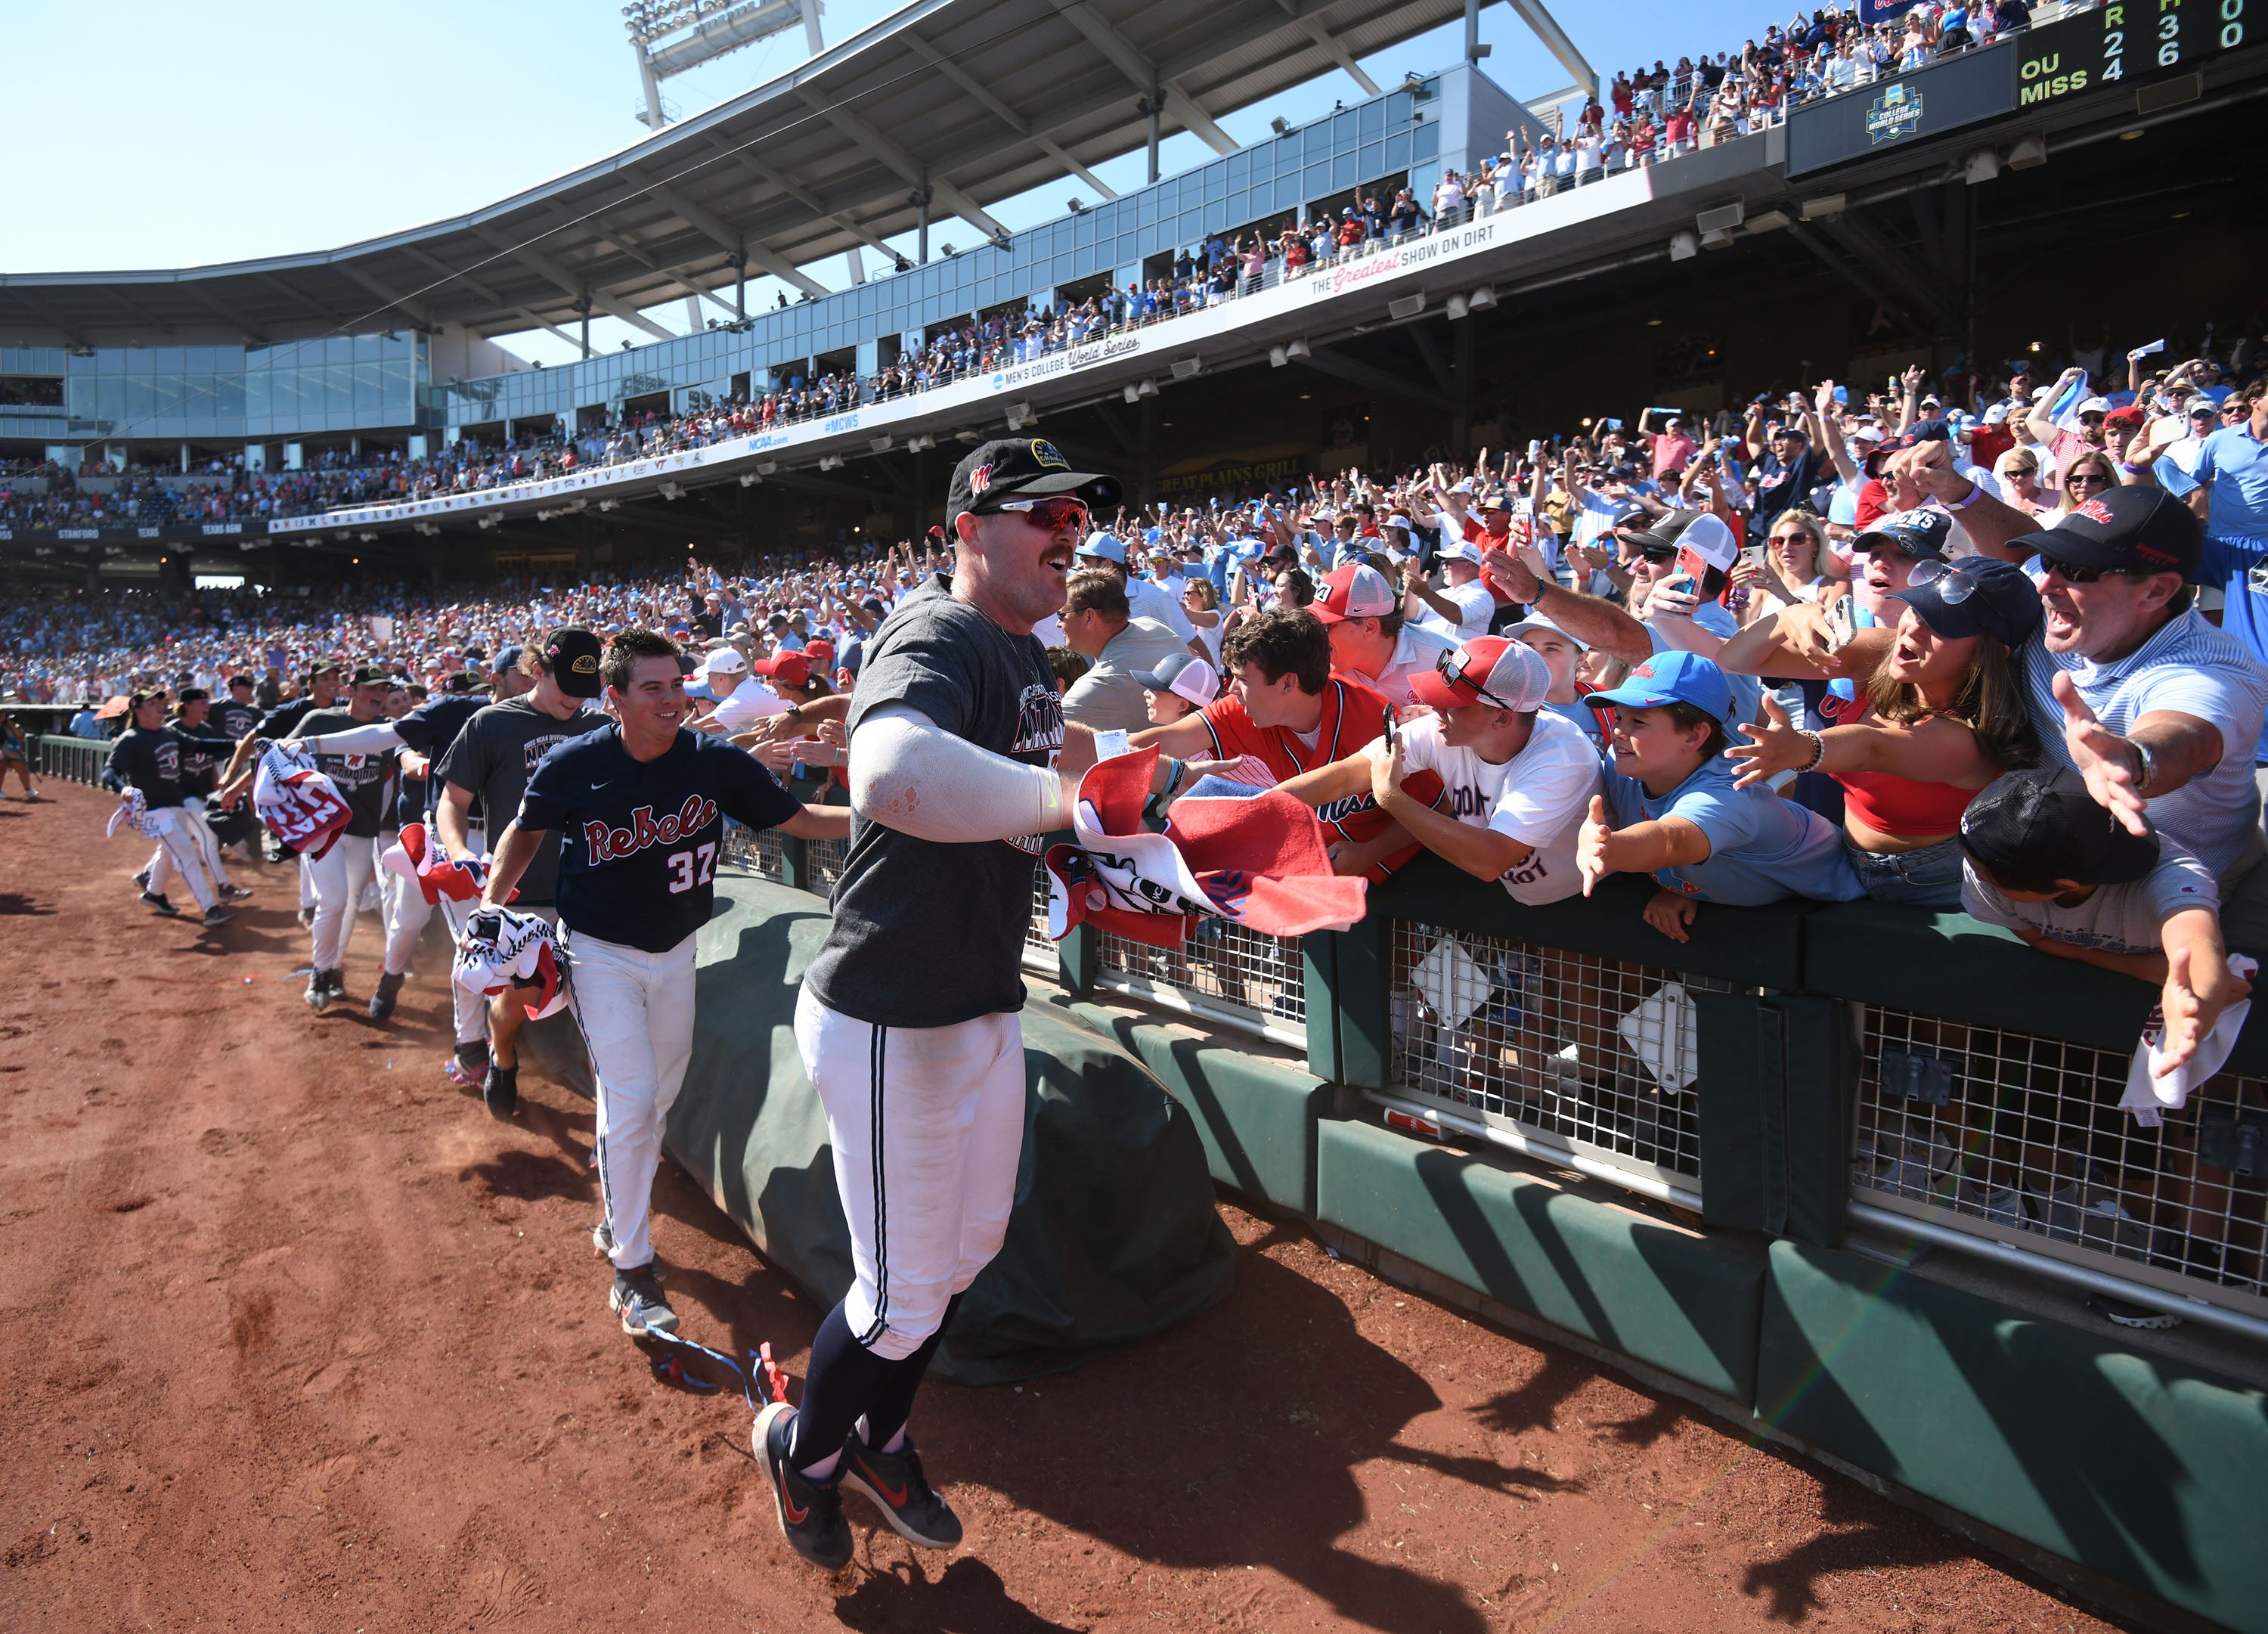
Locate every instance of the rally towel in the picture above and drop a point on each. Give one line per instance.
(419, 857)
(134, 812)
(1259, 862)
(300, 806)
(2153, 1090)
(507, 950)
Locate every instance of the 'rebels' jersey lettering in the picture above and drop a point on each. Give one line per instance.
(640, 840)
(607, 845)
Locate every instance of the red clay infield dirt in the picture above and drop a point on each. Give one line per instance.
(298, 1337)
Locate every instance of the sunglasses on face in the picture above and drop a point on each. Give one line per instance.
(1453, 668)
(2071, 574)
(1052, 514)
(2078, 477)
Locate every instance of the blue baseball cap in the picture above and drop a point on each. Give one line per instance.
(1671, 677)
(1107, 546)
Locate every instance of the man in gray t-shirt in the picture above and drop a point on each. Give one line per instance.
(491, 758)
(907, 1023)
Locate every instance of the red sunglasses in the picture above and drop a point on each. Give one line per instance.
(1051, 515)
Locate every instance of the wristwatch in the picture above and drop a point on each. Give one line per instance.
(2148, 772)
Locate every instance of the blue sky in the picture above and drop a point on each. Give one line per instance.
(152, 134)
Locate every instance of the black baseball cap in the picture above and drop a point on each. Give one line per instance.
(235, 682)
(371, 676)
(1927, 432)
(1021, 467)
(1921, 534)
(2140, 529)
(571, 655)
(2041, 825)
(1974, 596)
(464, 681)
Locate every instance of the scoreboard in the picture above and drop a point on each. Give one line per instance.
(2121, 41)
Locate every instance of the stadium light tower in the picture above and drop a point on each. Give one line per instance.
(671, 36)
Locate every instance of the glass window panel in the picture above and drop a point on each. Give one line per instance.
(1371, 162)
(1315, 141)
(369, 395)
(1397, 109)
(256, 388)
(337, 388)
(1343, 129)
(1371, 121)
(1317, 181)
(1287, 191)
(1427, 143)
(139, 401)
(1216, 180)
(1215, 216)
(1342, 172)
(110, 398)
(1397, 150)
(1239, 169)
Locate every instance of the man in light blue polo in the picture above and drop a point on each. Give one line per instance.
(1144, 597)
(2231, 499)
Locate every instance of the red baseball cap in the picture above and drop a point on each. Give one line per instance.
(1512, 673)
(787, 669)
(820, 652)
(1356, 590)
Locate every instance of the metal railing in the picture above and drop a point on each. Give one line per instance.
(1224, 973)
(2021, 1141)
(73, 760)
(758, 850)
(1591, 1061)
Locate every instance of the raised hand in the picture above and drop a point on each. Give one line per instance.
(2111, 766)
(1593, 844)
(1774, 745)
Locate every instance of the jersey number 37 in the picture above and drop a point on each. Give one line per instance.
(690, 868)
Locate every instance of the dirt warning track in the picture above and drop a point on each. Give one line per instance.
(298, 1336)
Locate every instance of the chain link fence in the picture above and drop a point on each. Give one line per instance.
(2006, 1136)
(1569, 1052)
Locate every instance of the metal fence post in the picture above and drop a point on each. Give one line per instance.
(1076, 956)
(795, 862)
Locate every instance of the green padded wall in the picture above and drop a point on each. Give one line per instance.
(1256, 1118)
(1686, 1303)
(2146, 1470)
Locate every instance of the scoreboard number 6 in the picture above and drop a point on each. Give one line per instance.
(688, 869)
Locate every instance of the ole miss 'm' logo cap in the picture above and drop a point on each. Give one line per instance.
(2140, 529)
(1012, 468)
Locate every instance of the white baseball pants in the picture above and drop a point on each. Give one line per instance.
(306, 882)
(635, 1011)
(192, 826)
(339, 876)
(927, 1125)
(178, 853)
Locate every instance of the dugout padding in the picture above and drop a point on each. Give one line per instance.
(1113, 1237)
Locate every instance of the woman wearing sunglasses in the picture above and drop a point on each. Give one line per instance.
(1939, 717)
(2018, 471)
(2084, 476)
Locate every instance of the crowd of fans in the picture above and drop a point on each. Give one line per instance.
(1651, 114)
(1834, 644)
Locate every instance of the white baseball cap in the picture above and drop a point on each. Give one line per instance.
(1461, 550)
(1184, 678)
(724, 661)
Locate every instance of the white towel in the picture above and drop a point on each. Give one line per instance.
(2154, 1089)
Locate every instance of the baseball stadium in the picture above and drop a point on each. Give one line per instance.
(1271, 815)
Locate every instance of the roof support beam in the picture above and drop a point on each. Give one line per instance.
(898, 159)
(1313, 28)
(50, 316)
(800, 194)
(420, 316)
(293, 293)
(1144, 75)
(544, 323)
(622, 243)
(449, 274)
(228, 314)
(1005, 115)
(537, 261)
(1357, 373)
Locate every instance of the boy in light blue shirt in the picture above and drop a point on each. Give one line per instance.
(1668, 807)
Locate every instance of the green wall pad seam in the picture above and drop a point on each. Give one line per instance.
(1687, 1304)
(2149, 1472)
(1258, 1119)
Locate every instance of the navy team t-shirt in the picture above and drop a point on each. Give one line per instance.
(639, 839)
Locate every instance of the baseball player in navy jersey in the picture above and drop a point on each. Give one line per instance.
(639, 808)
(426, 733)
(907, 1022)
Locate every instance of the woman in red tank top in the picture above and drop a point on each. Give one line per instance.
(1940, 715)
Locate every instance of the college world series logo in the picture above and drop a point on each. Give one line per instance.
(1893, 115)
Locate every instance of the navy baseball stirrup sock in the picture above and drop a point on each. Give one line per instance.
(886, 1414)
(845, 1379)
